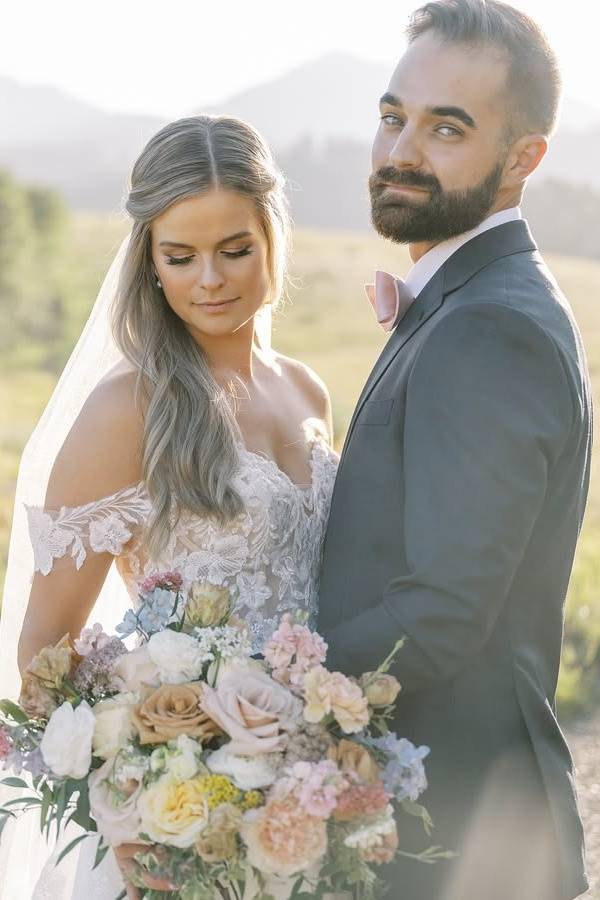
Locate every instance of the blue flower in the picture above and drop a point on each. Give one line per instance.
(404, 775)
(129, 624)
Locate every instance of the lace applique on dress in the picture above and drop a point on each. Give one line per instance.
(268, 556)
(103, 526)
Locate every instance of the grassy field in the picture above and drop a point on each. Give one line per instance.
(326, 321)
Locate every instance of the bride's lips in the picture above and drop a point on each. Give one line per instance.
(215, 306)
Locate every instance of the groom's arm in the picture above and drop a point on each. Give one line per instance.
(488, 412)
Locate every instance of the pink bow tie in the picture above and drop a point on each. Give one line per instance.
(390, 299)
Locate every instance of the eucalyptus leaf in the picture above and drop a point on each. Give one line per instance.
(14, 782)
(13, 711)
(100, 853)
(70, 847)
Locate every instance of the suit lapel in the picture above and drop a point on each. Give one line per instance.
(471, 258)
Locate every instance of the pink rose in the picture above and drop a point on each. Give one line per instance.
(253, 709)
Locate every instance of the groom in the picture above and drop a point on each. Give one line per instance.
(464, 476)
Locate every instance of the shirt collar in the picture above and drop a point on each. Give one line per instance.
(423, 271)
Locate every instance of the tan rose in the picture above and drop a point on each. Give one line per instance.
(253, 709)
(53, 664)
(207, 605)
(35, 700)
(45, 674)
(172, 710)
(380, 689)
(352, 757)
(218, 841)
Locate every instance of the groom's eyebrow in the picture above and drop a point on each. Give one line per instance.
(452, 112)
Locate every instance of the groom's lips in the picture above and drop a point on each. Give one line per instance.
(407, 190)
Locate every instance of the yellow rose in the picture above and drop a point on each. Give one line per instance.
(380, 689)
(174, 812)
(207, 605)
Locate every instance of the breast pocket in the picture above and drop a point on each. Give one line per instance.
(376, 412)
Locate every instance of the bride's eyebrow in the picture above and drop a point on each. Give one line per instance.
(232, 237)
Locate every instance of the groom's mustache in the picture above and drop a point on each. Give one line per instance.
(410, 178)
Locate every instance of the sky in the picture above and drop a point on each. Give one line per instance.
(171, 57)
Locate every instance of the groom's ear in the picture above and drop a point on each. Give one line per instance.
(524, 157)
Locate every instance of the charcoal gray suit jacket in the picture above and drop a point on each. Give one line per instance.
(454, 520)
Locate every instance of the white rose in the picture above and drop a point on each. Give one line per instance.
(115, 812)
(182, 763)
(222, 667)
(173, 812)
(177, 656)
(135, 669)
(67, 742)
(247, 772)
(114, 724)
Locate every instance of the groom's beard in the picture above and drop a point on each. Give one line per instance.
(445, 213)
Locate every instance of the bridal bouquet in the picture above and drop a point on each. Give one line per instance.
(221, 766)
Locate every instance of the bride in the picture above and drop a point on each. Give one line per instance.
(190, 445)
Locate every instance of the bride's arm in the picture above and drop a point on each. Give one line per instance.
(99, 457)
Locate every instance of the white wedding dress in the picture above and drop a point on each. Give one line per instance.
(268, 557)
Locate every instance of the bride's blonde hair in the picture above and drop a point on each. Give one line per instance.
(189, 448)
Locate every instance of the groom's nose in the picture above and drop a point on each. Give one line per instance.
(405, 152)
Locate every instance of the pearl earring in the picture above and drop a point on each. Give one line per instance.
(158, 284)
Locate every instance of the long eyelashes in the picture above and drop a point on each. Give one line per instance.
(183, 260)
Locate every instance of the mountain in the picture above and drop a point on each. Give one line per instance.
(51, 138)
(335, 96)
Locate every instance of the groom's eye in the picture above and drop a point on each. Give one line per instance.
(449, 131)
(392, 120)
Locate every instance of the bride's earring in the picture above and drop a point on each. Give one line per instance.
(158, 284)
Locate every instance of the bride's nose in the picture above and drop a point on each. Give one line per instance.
(211, 279)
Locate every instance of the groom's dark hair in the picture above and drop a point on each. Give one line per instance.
(533, 80)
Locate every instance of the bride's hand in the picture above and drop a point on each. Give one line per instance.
(125, 854)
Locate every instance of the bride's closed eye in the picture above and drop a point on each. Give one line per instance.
(230, 254)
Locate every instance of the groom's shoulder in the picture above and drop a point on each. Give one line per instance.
(516, 288)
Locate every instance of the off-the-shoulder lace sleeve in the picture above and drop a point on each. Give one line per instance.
(103, 526)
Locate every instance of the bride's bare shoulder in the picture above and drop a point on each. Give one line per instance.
(102, 452)
(312, 388)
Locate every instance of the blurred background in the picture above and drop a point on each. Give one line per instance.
(83, 87)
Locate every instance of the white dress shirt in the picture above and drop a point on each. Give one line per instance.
(423, 271)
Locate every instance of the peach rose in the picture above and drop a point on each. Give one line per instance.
(171, 710)
(44, 675)
(253, 709)
(331, 692)
(352, 757)
(282, 839)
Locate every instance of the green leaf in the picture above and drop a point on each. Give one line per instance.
(70, 847)
(100, 853)
(23, 801)
(14, 782)
(82, 815)
(13, 711)
(47, 797)
(122, 895)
